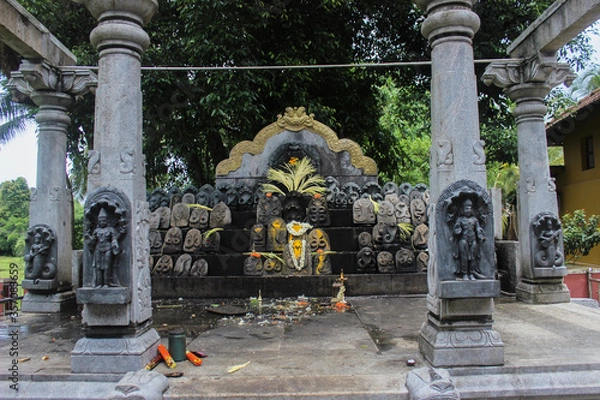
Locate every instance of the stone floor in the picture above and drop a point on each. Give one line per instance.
(300, 348)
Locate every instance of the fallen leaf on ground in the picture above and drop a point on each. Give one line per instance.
(45, 358)
(22, 360)
(237, 367)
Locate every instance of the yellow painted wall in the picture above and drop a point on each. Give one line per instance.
(578, 188)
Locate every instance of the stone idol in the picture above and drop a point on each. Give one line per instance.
(546, 240)
(296, 253)
(464, 227)
(107, 236)
(40, 259)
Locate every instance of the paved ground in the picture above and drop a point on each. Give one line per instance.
(300, 348)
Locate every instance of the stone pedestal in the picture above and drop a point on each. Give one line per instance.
(48, 244)
(116, 274)
(461, 270)
(540, 239)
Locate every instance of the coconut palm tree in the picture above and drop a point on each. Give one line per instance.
(13, 116)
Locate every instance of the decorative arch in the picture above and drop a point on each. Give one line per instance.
(296, 120)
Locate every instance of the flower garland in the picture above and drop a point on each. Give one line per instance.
(298, 262)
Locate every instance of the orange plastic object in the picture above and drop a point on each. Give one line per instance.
(197, 361)
(166, 356)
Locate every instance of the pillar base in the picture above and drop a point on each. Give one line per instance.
(460, 343)
(48, 303)
(114, 355)
(543, 292)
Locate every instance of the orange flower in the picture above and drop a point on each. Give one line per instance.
(269, 195)
(317, 195)
(293, 161)
(255, 254)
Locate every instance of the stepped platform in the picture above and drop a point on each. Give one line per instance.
(551, 352)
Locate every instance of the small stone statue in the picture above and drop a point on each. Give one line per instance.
(296, 253)
(547, 231)
(405, 260)
(418, 211)
(276, 235)
(468, 234)
(156, 243)
(386, 263)
(104, 244)
(193, 241)
(363, 212)
(253, 265)
(183, 265)
(163, 266)
(173, 242)
(199, 268)
(268, 207)
(199, 218)
(317, 213)
(37, 266)
(272, 266)
(258, 237)
(366, 260)
(365, 240)
(386, 213)
(220, 216)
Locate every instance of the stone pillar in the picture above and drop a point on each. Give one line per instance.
(48, 275)
(116, 276)
(461, 273)
(540, 237)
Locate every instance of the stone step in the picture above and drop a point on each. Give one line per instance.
(171, 287)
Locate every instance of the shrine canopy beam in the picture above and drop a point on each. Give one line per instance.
(560, 23)
(27, 36)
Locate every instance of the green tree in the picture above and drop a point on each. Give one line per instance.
(193, 118)
(405, 117)
(13, 115)
(14, 216)
(581, 234)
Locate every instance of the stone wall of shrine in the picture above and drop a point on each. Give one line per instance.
(238, 229)
(200, 232)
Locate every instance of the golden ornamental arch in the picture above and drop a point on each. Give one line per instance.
(295, 119)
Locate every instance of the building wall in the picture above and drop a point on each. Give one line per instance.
(578, 188)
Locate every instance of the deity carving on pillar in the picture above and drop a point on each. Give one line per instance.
(546, 231)
(106, 232)
(103, 242)
(39, 257)
(468, 235)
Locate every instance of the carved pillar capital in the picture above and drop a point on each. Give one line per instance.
(448, 18)
(529, 80)
(120, 24)
(32, 78)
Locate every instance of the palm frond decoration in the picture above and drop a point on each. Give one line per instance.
(200, 206)
(295, 176)
(209, 232)
(405, 229)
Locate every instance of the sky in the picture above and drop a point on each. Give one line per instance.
(18, 157)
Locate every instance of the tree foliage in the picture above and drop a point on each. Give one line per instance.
(193, 118)
(581, 234)
(14, 216)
